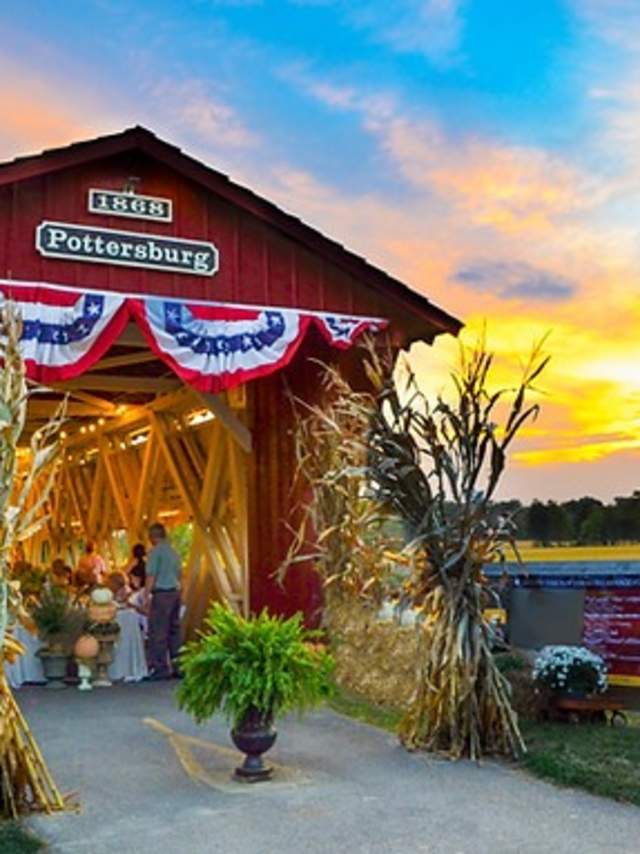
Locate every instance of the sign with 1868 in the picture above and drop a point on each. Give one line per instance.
(126, 248)
(119, 203)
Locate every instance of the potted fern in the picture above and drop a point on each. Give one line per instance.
(253, 671)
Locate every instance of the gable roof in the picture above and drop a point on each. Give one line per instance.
(140, 139)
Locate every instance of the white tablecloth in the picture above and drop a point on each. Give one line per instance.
(129, 661)
(28, 667)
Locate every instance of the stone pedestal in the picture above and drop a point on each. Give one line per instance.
(104, 659)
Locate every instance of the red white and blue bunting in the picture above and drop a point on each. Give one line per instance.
(211, 346)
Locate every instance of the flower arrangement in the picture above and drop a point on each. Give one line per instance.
(570, 669)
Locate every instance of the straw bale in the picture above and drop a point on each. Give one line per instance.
(374, 659)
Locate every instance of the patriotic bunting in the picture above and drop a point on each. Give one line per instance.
(212, 346)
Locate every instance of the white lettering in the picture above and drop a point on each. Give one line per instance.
(55, 236)
(201, 261)
(155, 252)
(82, 243)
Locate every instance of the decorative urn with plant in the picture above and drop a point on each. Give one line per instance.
(59, 623)
(570, 670)
(104, 628)
(253, 671)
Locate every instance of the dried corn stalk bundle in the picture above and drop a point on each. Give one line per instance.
(25, 782)
(342, 528)
(437, 466)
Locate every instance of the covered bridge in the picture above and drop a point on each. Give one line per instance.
(176, 308)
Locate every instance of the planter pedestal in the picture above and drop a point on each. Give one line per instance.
(54, 666)
(85, 672)
(253, 742)
(103, 660)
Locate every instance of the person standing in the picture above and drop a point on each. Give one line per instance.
(162, 601)
(91, 567)
(138, 569)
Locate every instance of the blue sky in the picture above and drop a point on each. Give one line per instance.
(483, 151)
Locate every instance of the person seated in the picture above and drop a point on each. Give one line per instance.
(91, 567)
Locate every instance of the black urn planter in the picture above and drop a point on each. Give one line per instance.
(254, 736)
(54, 667)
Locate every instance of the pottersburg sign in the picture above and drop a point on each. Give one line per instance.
(127, 248)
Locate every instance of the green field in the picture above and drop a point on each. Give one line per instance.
(585, 553)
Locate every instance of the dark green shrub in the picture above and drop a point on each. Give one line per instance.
(508, 662)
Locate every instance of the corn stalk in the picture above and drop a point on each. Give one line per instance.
(341, 529)
(369, 457)
(24, 779)
(438, 467)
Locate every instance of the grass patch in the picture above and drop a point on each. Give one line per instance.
(600, 759)
(14, 839)
(362, 710)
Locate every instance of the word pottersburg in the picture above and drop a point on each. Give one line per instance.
(127, 248)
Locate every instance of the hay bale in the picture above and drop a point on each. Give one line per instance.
(374, 659)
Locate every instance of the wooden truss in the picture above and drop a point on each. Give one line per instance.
(180, 457)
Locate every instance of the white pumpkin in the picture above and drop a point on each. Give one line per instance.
(101, 596)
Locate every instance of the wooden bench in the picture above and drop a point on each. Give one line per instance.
(589, 709)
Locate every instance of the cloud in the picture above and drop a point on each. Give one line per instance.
(514, 280)
(615, 21)
(431, 28)
(203, 113)
(509, 188)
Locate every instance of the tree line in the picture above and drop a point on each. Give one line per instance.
(580, 521)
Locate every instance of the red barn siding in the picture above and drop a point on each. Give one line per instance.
(258, 264)
(266, 258)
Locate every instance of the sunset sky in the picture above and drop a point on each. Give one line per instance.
(485, 152)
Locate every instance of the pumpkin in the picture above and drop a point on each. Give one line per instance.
(101, 596)
(86, 647)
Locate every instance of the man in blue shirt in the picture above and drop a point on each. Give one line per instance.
(162, 600)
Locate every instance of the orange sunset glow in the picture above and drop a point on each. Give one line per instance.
(499, 178)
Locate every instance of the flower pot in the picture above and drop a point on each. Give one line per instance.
(54, 666)
(254, 736)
